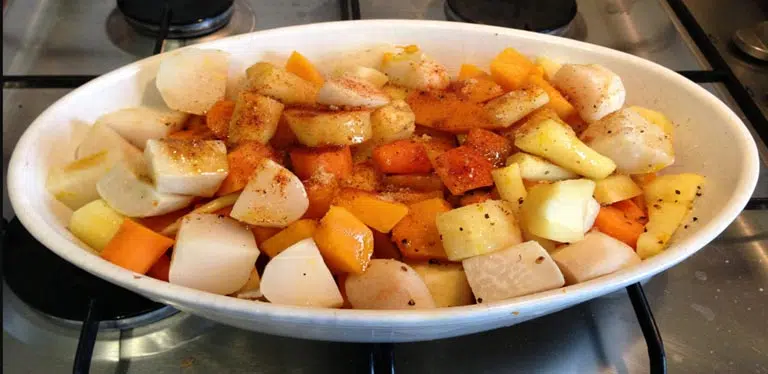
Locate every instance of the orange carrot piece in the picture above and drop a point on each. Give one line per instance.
(219, 116)
(463, 169)
(416, 235)
(161, 268)
(335, 160)
(494, 147)
(136, 247)
(402, 157)
(243, 160)
(301, 66)
(613, 222)
(321, 189)
(632, 211)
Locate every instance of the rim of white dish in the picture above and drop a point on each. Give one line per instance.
(231, 306)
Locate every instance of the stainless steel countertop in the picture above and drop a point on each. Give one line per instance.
(711, 309)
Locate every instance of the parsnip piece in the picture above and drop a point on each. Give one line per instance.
(535, 169)
(594, 256)
(370, 75)
(509, 108)
(616, 188)
(519, 270)
(391, 122)
(549, 139)
(351, 92)
(478, 229)
(269, 80)
(255, 118)
(510, 185)
(316, 128)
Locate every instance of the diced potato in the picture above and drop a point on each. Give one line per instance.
(187, 167)
(679, 188)
(250, 290)
(222, 272)
(351, 92)
(391, 122)
(372, 210)
(388, 284)
(269, 80)
(415, 70)
(344, 241)
(536, 169)
(294, 233)
(192, 80)
(298, 276)
(656, 118)
(616, 188)
(594, 256)
(519, 270)
(594, 90)
(664, 218)
(416, 235)
(446, 282)
(128, 189)
(370, 75)
(549, 65)
(478, 229)
(255, 118)
(557, 211)
(633, 143)
(552, 141)
(274, 197)
(514, 105)
(95, 224)
(315, 128)
(510, 185)
(139, 124)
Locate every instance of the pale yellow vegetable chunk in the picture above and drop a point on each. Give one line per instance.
(510, 185)
(681, 188)
(478, 229)
(549, 139)
(534, 168)
(663, 220)
(616, 188)
(446, 282)
(656, 118)
(95, 224)
(558, 211)
(276, 82)
(549, 65)
(520, 270)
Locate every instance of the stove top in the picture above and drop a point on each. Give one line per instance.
(711, 309)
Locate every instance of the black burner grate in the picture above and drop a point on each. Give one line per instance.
(381, 355)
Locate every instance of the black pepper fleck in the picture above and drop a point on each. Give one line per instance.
(461, 229)
(677, 192)
(411, 302)
(695, 219)
(434, 262)
(479, 300)
(685, 227)
(660, 242)
(487, 216)
(698, 194)
(539, 259)
(403, 268)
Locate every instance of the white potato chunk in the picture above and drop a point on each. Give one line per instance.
(104, 138)
(415, 70)
(273, 197)
(594, 256)
(520, 270)
(139, 124)
(558, 211)
(592, 89)
(632, 142)
(95, 224)
(128, 189)
(273, 81)
(616, 188)
(187, 167)
(254, 118)
(351, 92)
(391, 122)
(192, 80)
(388, 284)
(213, 253)
(298, 276)
(478, 229)
(317, 128)
(536, 169)
(446, 282)
(511, 107)
(370, 75)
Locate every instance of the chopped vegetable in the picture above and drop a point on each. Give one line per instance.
(416, 234)
(135, 247)
(317, 128)
(274, 197)
(302, 67)
(593, 90)
(377, 213)
(219, 116)
(335, 160)
(682, 188)
(269, 80)
(192, 80)
(446, 282)
(243, 161)
(477, 90)
(510, 185)
(478, 229)
(388, 284)
(597, 255)
(321, 189)
(391, 122)
(187, 167)
(614, 222)
(402, 157)
(463, 169)
(557, 102)
(254, 118)
(344, 241)
(295, 232)
(95, 224)
(161, 268)
(364, 177)
(213, 206)
(664, 219)
(350, 92)
(537, 169)
(494, 147)
(468, 71)
(616, 188)
(509, 108)
(446, 111)
(557, 211)
(511, 69)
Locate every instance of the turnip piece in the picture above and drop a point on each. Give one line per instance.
(139, 124)
(187, 167)
(594, 256)
(192, 80)
(351, 92)
(274, 197)
(213, 253)
(388, 284)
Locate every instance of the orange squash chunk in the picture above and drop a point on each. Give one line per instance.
(416, 235)
(511, 69)
(376, 212)
(295, 232)
(494, 147)
(301, 66)
(345, 242)
(463, 169)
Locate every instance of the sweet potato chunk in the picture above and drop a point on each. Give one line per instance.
(463, 169)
